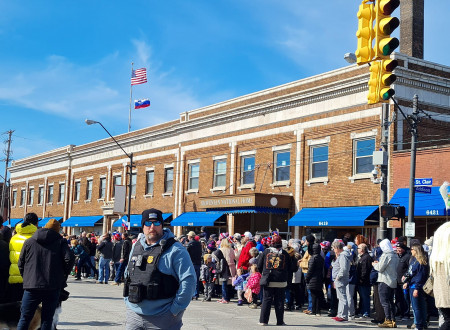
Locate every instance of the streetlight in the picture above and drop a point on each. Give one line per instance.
(350, 58)
(129, 155)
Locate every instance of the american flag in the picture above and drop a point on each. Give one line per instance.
(139, 76)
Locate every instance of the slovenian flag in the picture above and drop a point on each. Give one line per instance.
(139, 104)
(125, 223)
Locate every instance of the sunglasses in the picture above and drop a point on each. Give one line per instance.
(154, 223)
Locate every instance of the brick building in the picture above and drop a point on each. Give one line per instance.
(249, 163)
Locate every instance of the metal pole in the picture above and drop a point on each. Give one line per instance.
(384, 168)
(2, 205)
(413, 162)
(129, 188)
(131, 97)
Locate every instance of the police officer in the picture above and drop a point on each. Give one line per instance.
(160, 278)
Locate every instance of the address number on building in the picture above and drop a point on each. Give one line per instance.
(323, 223)
(432, 212)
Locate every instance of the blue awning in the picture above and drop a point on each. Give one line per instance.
(82, 221)
(136, 220)
(44, 221)
(14, 222)
(353, 216)
(193, 219)
(425, 205)
(251, 209)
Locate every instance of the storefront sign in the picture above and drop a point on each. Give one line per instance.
(394, 224)
(228, 202)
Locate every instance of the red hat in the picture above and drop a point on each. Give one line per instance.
(269, 240)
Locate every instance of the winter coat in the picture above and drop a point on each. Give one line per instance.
(363, 269)
(4, 269)
(441, 287)
(15, 246)
(194, 249)
(417, 275)
(238, 283)
(253, 282)
(314, 276)
(222, 269)
(403, 266)
(341, 269)
(106, 249)
(275, 265)
(245, 256)
(79, 251)
(387, 265)
(45, 261)
(207, 273)
(117, 249)
(304, 262)
(126, 249)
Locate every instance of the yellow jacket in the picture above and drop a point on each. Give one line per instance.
(15, 246)
(304, 262)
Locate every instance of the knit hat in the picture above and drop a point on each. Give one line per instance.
(53, 224)
(325, 244)
(237, 236)
(212, 246)
(248, 234)
(223, 236)
(269, 240)
(151, 214)
(415, 241)
(401, 245)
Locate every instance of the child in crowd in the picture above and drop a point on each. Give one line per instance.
(238, 284)
(253, 284)
(208, 276)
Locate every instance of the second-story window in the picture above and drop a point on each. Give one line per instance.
(22, 197)
(133, 184)
(168, 179)
(102, 188)
(50, 194)
(62, 191)
(319, 161)
(41, 195)
(248, 169)
(89, 190)
(76, 193)
(194, 173)
(117, 181)
(149, 180)
(14, 198)
(362, 155)
(282, 163)
(31, 196)
(220, 173)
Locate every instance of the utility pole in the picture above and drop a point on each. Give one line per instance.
(384, 167)
(414, 120)
(5, 185)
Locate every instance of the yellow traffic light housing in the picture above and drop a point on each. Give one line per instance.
(365, 34)
(373, 96)
(386, 79)
(384, 26)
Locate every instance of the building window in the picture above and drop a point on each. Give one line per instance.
(14, 198)
(76, 195)
(282, 165)
(362, 155)
(133, 184)
(220, 173)
(41, 195)
(319, 161)
(168, 180)
(62, 190)
(31, 196)
(194, 173)
(22, 197)
(117, 181)
(89, 190)
(102, 188)
(50, 194)
(149, 179)
(248, 169)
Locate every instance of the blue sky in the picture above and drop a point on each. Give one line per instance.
(64, 61)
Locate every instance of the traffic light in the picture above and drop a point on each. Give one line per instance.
(400, 212)
(386, 79)
(384, 26)
(364, 52)
(390, 211)
(374, 95)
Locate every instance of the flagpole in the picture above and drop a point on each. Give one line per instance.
(131, 97)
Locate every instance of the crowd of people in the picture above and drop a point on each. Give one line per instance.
(342, 279)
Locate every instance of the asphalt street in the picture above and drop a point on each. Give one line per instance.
(100, 306)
